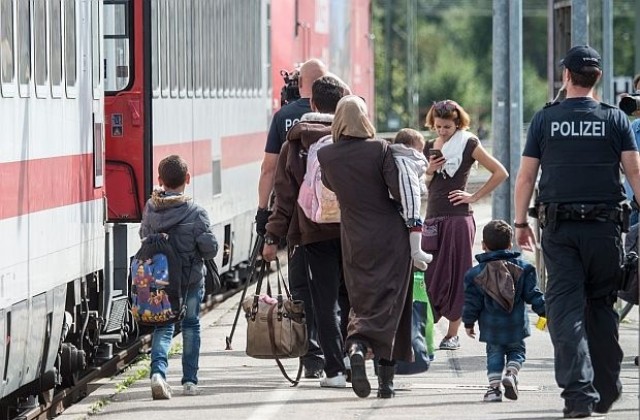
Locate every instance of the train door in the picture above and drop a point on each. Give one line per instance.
(127, 110)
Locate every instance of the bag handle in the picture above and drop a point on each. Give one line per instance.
(256, 295)
(281, 281)
(272, 341)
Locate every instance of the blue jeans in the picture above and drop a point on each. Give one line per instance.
(190, 341)
(496, 354)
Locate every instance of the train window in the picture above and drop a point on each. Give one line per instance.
(163, 46)
(98, 153)
(223, 85)
(182, 61)
(267, 69)
(55, 42)
(40, 46)
(70, 61)
(173, 49)
(196, 15)
(216, 170)
(188, 47)
(24, 47)
(155, 80)
(7, 57)
(208, 45)
(117, 45)
(95, 49)
(257, 49)
(238, 28)
(216, 34)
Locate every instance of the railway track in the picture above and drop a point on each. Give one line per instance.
(56, 403)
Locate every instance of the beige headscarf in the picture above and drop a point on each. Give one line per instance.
(351, 119)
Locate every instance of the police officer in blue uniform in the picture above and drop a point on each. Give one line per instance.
(283, 120)
(579, 144)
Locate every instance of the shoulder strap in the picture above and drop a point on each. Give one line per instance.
(272, 340)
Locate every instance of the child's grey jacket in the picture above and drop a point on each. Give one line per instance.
(189, 228)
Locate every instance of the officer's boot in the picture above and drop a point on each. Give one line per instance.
(385, 381)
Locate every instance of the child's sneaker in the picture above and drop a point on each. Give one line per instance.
(510, 383)
(189, 388)
(451, 343)
(338, 381)
(160, 389)
(493, 395)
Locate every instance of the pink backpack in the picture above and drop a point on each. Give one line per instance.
(318, 202)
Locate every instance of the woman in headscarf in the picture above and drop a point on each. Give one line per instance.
(375, 245)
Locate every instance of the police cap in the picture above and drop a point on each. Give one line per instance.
(580, 56)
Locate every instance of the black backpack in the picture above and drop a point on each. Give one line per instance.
(157, 283)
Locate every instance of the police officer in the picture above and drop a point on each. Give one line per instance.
(579, 144)
(282, 121)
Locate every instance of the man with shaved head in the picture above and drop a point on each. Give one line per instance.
(282, 121)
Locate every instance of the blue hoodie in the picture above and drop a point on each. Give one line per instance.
(495, 293)
(190, 229)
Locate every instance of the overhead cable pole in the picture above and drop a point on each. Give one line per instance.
(579, 22)
(501, 198)
(608, 95)
(637, 38)
(412, 67)
(515, 96)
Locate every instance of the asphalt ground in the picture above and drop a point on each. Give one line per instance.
(235, 386)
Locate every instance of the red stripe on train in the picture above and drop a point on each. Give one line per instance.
(242, 149)
(41, 184)
(65, 180)
(196, 153)
(236, 150)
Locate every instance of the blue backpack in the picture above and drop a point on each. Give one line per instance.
(156, 283)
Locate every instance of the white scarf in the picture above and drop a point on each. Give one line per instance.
(452, 151)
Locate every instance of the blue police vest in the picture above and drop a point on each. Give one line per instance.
(580, 162)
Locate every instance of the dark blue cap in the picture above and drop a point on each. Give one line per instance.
(580, 56)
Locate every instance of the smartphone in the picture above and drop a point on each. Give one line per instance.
(435, 153)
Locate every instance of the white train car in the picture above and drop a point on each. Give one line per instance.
(51, 164)
(93, 95)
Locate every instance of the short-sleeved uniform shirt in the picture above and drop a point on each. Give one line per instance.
(282, 122)
(579, 124)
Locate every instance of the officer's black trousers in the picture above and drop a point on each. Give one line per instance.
(299, 288)
(325, 277)
(583, 261)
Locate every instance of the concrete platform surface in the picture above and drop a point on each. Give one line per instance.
(235, 386)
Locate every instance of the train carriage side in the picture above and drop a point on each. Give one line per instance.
(51, 198)
(337, 32)
(185, 77)
(194, 78)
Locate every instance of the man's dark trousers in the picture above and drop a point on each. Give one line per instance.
(583, 260)
(299, 288)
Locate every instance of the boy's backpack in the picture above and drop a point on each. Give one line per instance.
(156, 282)
(318, 202)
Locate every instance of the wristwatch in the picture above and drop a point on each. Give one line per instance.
(268, 240)
(522, 225)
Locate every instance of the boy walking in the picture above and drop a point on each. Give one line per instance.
(170, 211)
(495, 293)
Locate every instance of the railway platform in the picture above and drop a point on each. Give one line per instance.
(235, 386)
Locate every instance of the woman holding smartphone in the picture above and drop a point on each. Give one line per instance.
(449, 228)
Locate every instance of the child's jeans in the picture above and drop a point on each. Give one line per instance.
(190, 341)
(496, 353)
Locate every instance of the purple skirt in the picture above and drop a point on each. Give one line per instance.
(451, 261)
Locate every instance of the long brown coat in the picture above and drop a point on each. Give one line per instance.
(375, 244)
